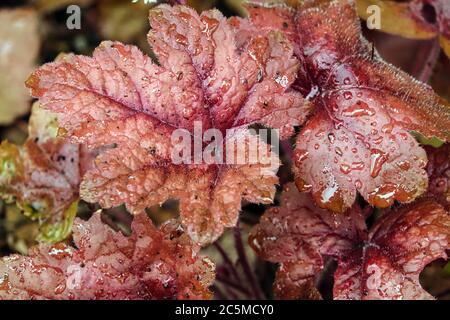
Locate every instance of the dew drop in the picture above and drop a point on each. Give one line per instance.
(4, 282)
(345, 168)
(181, 39)
(330, 197)
(377, 159)
(359, 109)
(211, 25)
(282, 80)
(378, 140)
(187, 112)
(348, 95)
(225, 86)
(331, 137)
(358, 165)
(300, 155)
(302, 186)
(60, 288)
(383, 196)
(404, 165)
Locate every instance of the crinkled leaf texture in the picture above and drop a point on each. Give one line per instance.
(19, 48)
(358, 139)
(43, 176)
(149, 264)
(121, 99)
(416, 19)
(383, 263)
(438, 169)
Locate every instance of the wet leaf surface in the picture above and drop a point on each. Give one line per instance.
(42, 177)
(120, 98)
(105, 264)
(381, 263)
(358, 140)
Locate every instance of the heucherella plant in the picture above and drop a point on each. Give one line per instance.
(381, 263)
(358, 139)
(43, 176)
(149, 264)
(198, 123)
(122, 99)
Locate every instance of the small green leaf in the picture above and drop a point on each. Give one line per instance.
(43, 124)
(447, 269)
(433, 141)
(51, 231)
(35, 210)
(10, 164)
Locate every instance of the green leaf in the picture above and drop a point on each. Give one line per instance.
(11, 166)
(447, 268)
(432, 141)
(56, 231)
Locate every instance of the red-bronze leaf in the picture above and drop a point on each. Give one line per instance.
(400, 245)
(120, 98)
(383, 263)
(358, 139)
(297, 236)
(149, 264)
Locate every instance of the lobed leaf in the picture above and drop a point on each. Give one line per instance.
(298, 235)
(149, 264)
(121, 100)
(401, 244)
(383, 263)
(42, 177)
(358, 139)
